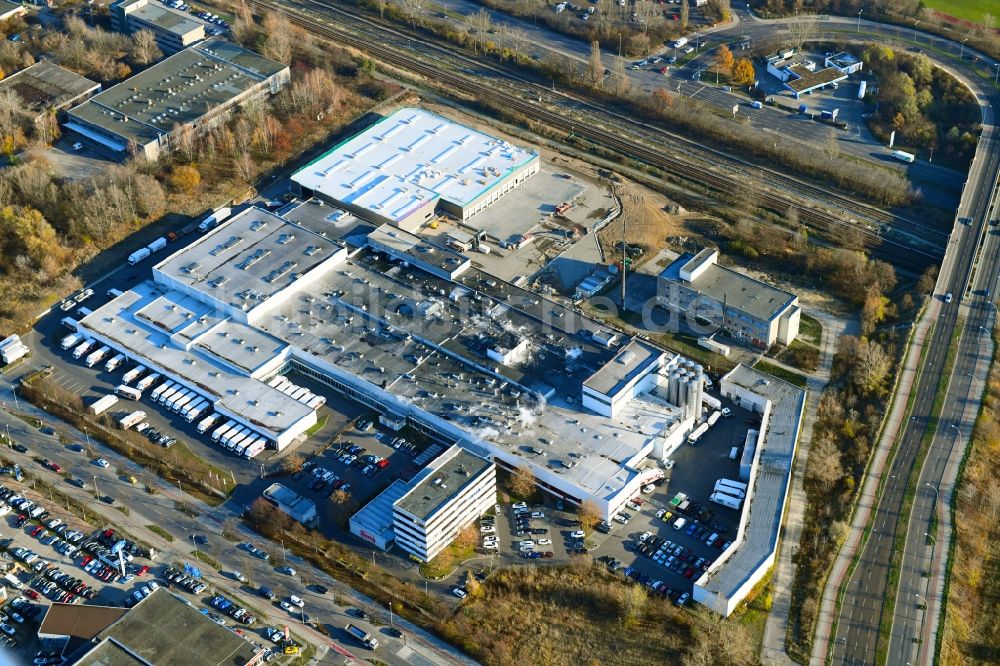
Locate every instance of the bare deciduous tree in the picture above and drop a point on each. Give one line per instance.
(595, 68)
(522, 483)
(144, 47)
(278, 40)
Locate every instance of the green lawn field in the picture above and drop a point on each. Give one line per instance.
(970, 10)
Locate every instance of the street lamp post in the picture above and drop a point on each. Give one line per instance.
(996, 79)
(390, 613)
(860, 11)
(915, 24)
(97, 493)
(961, 54)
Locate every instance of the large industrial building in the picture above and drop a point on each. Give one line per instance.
(747, 309)
(173, 29)
(414, 164)
(499, 377)
(506, 375)
(193, 90)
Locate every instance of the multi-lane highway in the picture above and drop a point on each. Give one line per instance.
(969, 272)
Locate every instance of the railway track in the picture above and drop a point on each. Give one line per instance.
(904, 242)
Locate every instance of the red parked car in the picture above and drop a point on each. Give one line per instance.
(382, 464)
(31, 594)
(37, 531)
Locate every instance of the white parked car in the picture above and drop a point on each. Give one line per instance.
(578, 534)
(101, 462)
(458, 592)
(545, 542)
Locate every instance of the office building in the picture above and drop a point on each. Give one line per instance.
(174, 30)
(749, 310)
(191, 91)
(445, 497)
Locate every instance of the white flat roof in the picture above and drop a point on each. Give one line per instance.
(250, 258)
(150, 324)
(412, 156)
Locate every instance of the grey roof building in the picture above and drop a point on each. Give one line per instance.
(161, 629)
(45, 85)
(750, 310)
(735, 573)
(174, 30)
(195, 89)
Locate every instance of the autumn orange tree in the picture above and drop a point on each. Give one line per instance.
(743, 72)
(724, 59)
(185, 178)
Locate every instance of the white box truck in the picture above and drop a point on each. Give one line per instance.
(207, 423)
(133, 373)
(713, 417)
(220, 432)
(158, 391)
(903, 156)
(214, 219)
(135, 418)
(103, 405)
(70, 340)
(157, 245)
(138, 256)
(736, 485)
(679, 43)
(114, 362)
(735, 492)
(726, 500)
(95, 356)
(83, 348)
(167, 395)
(128, 392)
(147, 381)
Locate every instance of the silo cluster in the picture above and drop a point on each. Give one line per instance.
(685, 385)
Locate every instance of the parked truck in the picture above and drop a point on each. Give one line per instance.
(735, 485)
(70, 340)
(135, 418)
(103, 405)
(697, 433)
(207, 423)
(366, 639)
(720, 487)
(157, 245)
(83, 348)
(133, 373)
(680, 43)
(214, 219)
(96, 356)
(903, 156)
(713, 418)
(147, 381)
(726, 500)
(114, 362)
(138, 256)
(128, 392)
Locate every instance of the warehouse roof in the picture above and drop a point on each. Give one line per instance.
(159, 325)
(47, 85)
(409, 247)
(632, 359)
(441, 481)
(733, 288)
(408, 158)
(250, 258)
(177, 90)
(770, 489)
(151, 629)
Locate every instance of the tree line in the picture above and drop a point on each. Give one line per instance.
(926, 107)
